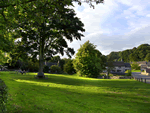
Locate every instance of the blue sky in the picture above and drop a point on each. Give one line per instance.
(115, 25)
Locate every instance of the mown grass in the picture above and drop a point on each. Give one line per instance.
(72, 94)
(136, 70)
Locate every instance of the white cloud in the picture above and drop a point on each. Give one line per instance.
(148, 15)
(137, 24)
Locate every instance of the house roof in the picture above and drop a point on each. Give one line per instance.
(147, 70)
(148, 64)
(118, 63)
(143, 66)
(142, 62)
(127, 64)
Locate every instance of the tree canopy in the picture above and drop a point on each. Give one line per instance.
(147, 58)
(88, 61)
(45, 39)
(131, 55)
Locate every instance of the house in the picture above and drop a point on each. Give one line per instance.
(148, 64)
(127, 66)
(143, 67)
(142, 63)
(146, 71)
(119, 66)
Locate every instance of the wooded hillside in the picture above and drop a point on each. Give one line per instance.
(141, 53)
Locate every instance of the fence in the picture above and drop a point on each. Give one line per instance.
(140, 79)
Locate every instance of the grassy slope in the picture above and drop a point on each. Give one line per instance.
(72, 94)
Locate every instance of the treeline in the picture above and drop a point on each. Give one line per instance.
(141, 53)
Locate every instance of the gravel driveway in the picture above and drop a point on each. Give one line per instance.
(139, 75)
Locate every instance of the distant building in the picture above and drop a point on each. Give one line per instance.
(119, 66)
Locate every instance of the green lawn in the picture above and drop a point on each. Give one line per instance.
(72, 94)
(136, 70)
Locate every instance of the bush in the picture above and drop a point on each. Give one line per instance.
(46, 69)
(135, 66)
(68, 67)
(55, 69)
(33, 67)
(3, 96)
(129, 73)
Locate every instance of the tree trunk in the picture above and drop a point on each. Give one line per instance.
(41, 60)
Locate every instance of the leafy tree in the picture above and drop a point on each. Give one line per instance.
(68, 67)
(114, 56)
(61, 64)
(88, 61)
(135, 66)
(13, 11)
(42, 26)
(134, 56)
(125, 55)
(147, 58)
(47, 39)
(142, 51)
(55, 59)
(4, 58)
(110, 65)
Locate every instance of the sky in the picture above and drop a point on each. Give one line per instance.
(116, 25)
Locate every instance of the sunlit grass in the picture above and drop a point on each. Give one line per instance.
(72, 94)
(136, 70)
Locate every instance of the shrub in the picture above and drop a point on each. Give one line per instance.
(3, 96)
(55, 69)
(33, 67)
(68, 67)
(46, 69)
(128, 73)
(135, 66)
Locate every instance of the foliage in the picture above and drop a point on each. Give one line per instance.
(4, 57)
(13, 11)
(114, 56)
(3, 96)
(33, 66)
(110, 65)
(125, 55)
(142, 51)
(135, 54)
(46, 69)
(47, 38)
(55, 69)
(61, 63)
(129, 73)
(68, 67)
(147, 58)
(135, 66)
(55, 59)
(88, 61)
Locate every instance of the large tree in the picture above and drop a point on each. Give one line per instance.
(44, 40)
(43, 24)
(88, 61)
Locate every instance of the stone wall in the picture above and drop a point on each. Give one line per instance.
(118, 77)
